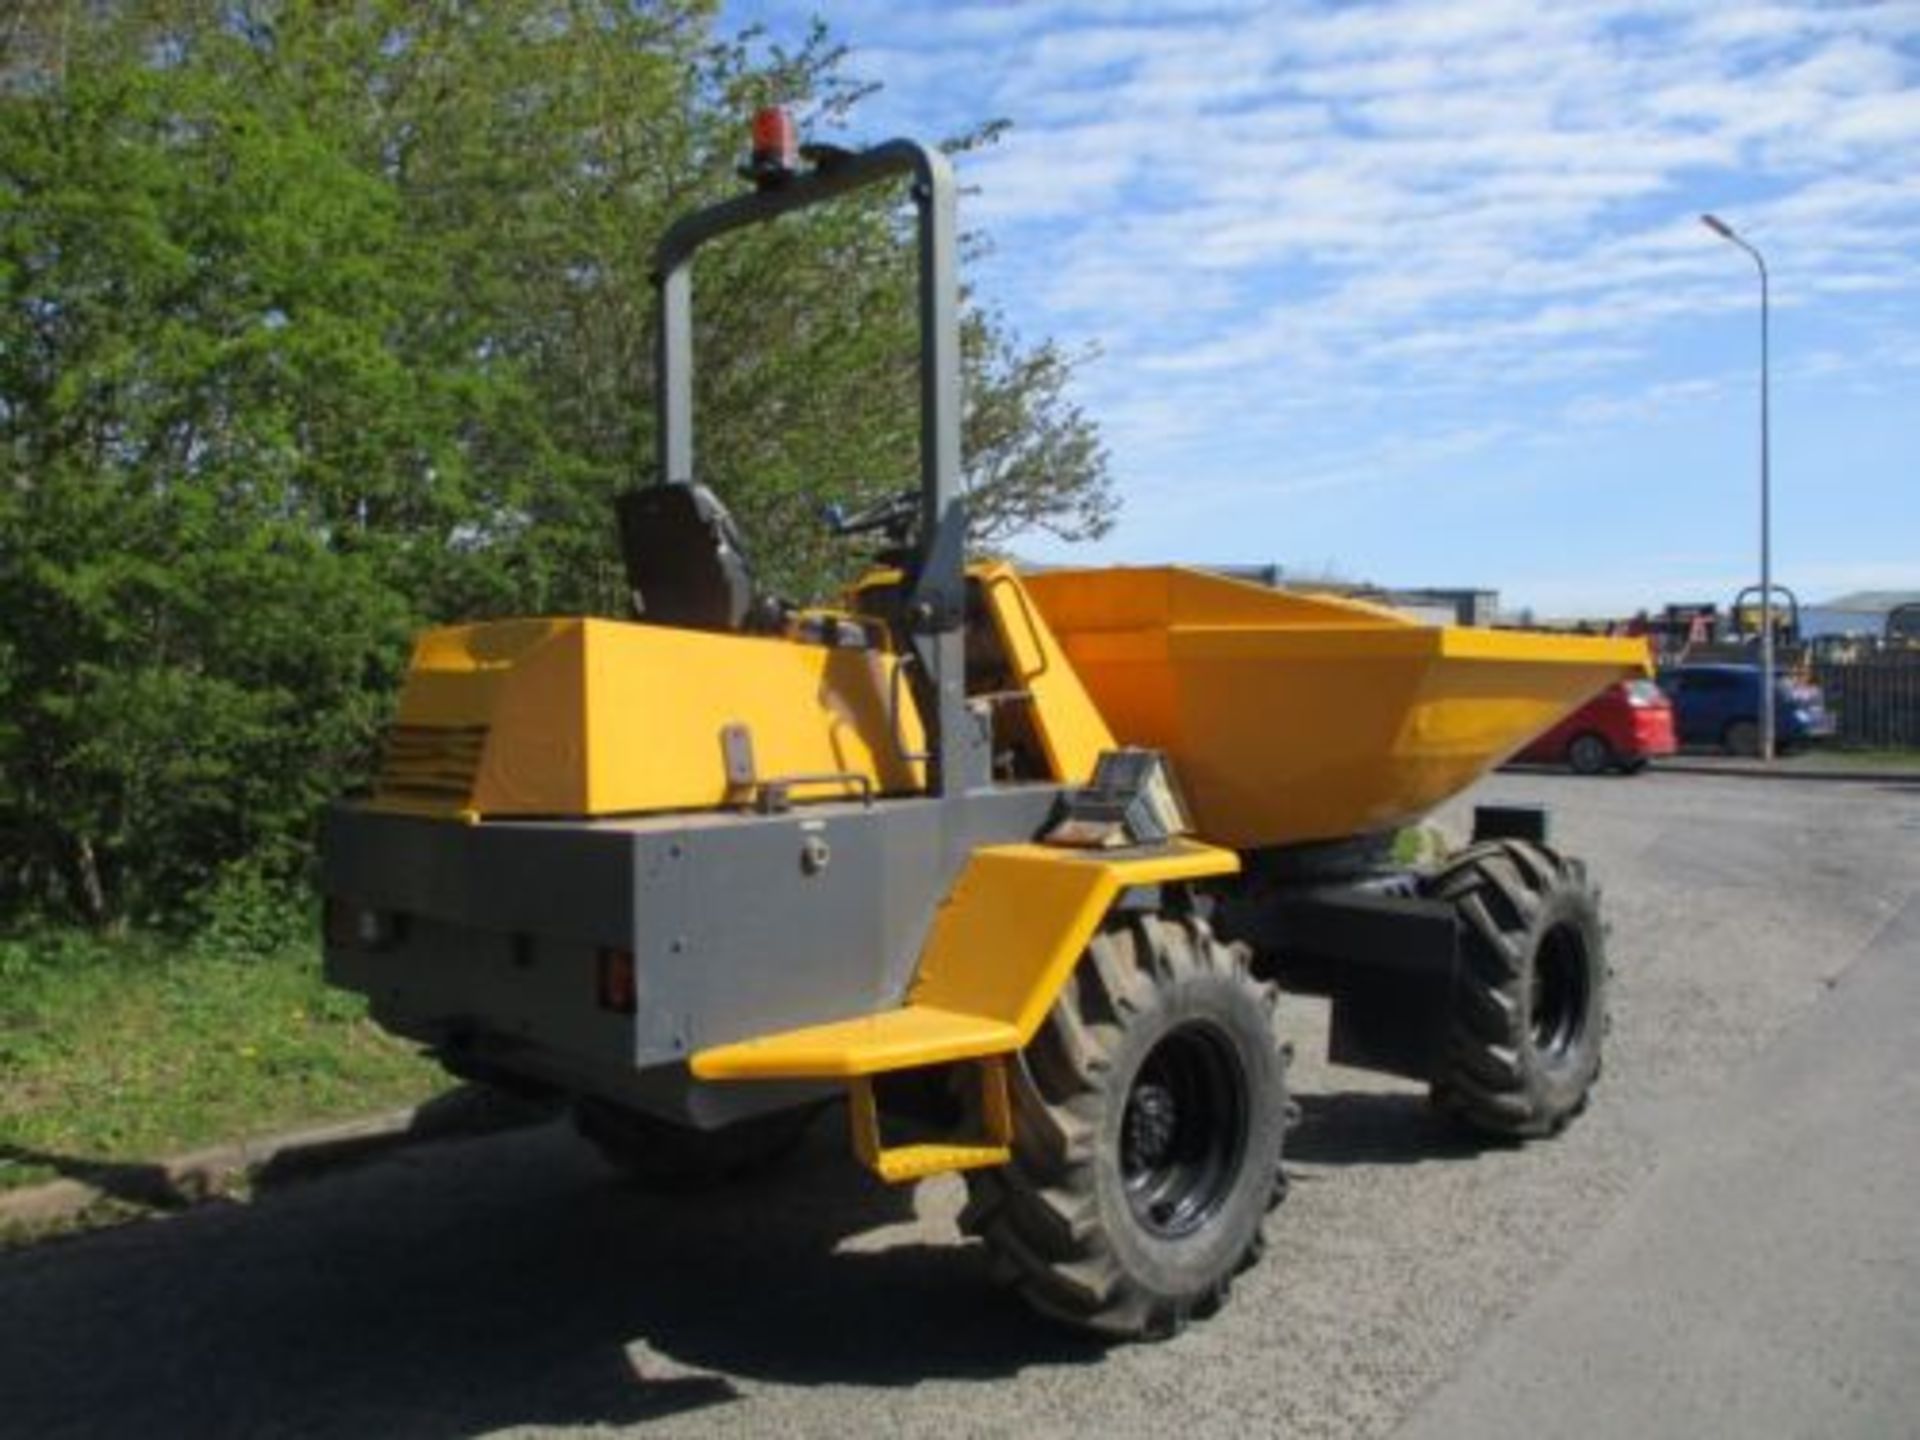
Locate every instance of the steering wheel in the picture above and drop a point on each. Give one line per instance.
(896, 516)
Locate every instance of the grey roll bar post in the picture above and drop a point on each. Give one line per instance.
(936, 607)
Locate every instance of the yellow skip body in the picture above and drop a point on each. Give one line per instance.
(1293, 717)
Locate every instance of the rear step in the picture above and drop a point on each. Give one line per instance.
(1001, 947)
(916, 1161)
(913, 1037)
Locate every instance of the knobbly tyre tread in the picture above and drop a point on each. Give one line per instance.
(1489, 1077)
(1041, 1216)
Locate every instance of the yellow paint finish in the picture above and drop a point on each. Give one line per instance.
(901, 1039)
(1070, 726)
(1002, 945)
(597, 717)
(1121, 598)
(1005, 940)
(900, 1163)
(457, 671)
(1067, 723)
(1302, 717)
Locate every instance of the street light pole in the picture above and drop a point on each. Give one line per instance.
(1726, 232)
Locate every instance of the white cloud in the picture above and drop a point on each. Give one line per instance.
(1404, 184)
(1354, 245)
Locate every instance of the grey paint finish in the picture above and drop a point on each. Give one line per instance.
(509, 991)
(563, 880)
(736, 926)
(737, 935)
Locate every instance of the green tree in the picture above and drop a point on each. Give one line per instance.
(225, 462)
(321, 322)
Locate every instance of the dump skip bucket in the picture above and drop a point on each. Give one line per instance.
(1294, 717)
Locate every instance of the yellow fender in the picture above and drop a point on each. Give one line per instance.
(1001, 946)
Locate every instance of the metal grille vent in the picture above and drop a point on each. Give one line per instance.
(430, 762)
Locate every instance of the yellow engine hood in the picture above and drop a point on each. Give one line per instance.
(599, 717)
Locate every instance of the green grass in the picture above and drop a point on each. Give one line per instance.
(137, 1048)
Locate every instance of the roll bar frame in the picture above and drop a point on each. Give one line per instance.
(935, 600)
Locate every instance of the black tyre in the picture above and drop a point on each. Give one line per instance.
(678, 1159)
(1589, 754)
(1742, 737)
(1149, 1113)
(1529, 1006)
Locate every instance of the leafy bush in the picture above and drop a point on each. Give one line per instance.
(248, 914)
(322, 323)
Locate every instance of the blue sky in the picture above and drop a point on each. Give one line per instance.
(1418, 292)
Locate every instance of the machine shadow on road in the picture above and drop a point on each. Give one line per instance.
(1374, 1127)
(502, 1282)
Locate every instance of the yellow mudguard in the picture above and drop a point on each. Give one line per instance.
(1002, 945)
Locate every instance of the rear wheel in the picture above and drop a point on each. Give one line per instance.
(661, 1156)
(1742, 737)
(1589, 754)
(1148, 1115)
(1529, 1007)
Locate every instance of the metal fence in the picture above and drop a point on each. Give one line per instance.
(1875, 697)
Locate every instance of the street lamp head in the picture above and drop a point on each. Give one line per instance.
(1718, 226)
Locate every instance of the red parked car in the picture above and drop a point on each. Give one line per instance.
(1621, 728)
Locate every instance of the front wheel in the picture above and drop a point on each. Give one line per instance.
(1528, 1012)
(1148, 1118)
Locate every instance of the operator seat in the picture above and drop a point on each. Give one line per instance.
(685, 562)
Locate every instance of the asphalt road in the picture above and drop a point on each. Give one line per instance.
(1764, 1280)
(1721, 1244)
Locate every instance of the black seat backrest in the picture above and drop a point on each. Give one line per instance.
(685, 563)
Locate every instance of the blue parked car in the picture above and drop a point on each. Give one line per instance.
(1720, 705)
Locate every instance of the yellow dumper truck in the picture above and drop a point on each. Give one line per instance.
(1016, 865)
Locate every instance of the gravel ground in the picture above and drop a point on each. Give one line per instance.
(512, 1285)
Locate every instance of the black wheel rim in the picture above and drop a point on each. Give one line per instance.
(1184, 1131)
(1558, 1013)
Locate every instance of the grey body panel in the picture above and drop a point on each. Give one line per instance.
(739, 925)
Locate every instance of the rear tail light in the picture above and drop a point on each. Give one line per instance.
(1644, 694)
(618, 991)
